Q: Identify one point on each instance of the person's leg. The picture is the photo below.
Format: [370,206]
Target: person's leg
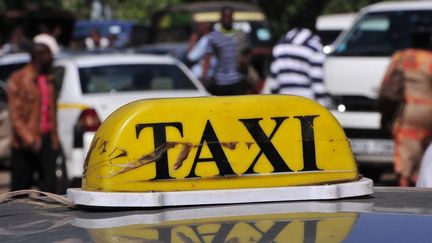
[47,166]
[22,167]
[407,161]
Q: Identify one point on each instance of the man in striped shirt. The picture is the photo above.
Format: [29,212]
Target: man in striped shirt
[230,47]
[297,67]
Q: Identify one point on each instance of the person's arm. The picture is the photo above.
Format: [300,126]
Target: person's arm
[206,61]
[391,92]
[192,41]
[245,50]
[391,86]
[54,97]
[205,69]
[199,50]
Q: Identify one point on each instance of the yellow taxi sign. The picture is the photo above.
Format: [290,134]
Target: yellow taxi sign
[237,142]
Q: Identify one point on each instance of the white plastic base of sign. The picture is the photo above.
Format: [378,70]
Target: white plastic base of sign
[361,187]
[202,213]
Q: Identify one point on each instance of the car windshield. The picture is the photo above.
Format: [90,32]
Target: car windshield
[133,77]
[382,33]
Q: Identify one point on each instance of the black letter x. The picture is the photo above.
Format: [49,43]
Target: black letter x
[265,144]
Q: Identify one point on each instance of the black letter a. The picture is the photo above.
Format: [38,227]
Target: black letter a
[209,137]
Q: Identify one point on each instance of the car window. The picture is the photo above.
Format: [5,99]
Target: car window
[382,33]
[135,77]
[8,69]
[328,36]
[58,78]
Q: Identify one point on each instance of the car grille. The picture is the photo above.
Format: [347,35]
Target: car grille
[367,133]
[361,104]
[355,103]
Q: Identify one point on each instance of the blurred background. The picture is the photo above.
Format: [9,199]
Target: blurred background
[75,16]
[165,27]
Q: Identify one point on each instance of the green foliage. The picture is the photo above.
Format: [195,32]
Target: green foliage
[282,14]
[139,10]
[343,6]
[79,7]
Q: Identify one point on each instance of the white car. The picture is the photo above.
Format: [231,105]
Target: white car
[93,86]
[354,70]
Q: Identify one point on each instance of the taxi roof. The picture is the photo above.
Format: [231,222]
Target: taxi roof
[117,58]
[388,215]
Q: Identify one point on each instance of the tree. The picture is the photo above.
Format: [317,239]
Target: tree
[122,9]
[284,15]
[342,6]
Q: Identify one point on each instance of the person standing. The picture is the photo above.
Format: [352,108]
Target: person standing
[231,49]
[297,67]
[32,108]
[405,103]
[18,42]
[96,41]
